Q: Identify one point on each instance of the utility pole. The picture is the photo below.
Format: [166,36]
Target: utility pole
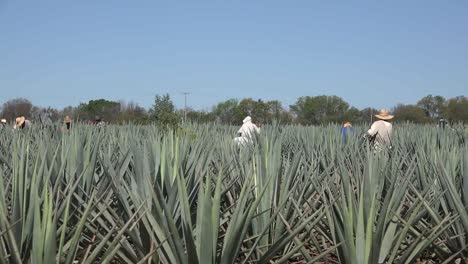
[185,106]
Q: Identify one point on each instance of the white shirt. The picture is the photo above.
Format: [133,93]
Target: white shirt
[247,129]
[383,130]
[27,124]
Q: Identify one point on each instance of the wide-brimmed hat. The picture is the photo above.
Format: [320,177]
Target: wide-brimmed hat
[67,119]
[20,121]
[3,121]
[384,114]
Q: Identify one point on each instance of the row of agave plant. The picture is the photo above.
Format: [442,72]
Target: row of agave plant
[132,194]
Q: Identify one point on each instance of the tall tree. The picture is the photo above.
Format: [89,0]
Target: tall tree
[45,115]
[16,107]
[457,109]
[70,111]
[320,109]
[258,110]
[304,110]
[163,112]
[246,107]
[433,106]
[278,113]
[366,115]
[353,115]
[104,109]
[410,113]
[132,113]
[199,116]
[226,112]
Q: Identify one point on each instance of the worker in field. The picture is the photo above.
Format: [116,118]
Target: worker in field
[346,130]
[3,123]
[99,122]
[247,131]
[22,123]
[443,123]
[381,130]
[67,122]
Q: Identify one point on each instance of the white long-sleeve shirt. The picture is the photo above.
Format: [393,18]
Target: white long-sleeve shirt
[383,130]
[247,129]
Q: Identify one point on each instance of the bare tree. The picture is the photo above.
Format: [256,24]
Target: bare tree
[16,107]
[45,116]
[132,112]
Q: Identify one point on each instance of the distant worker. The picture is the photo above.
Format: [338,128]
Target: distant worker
[247,131]
[442,123]
[3,123]
[248,128]
[381,130]
[22,123]
[346,130]
[67,122]
[98,121]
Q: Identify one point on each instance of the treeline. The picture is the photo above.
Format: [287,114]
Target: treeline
[308,110]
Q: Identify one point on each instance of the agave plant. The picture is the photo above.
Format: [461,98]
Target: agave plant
[139,194]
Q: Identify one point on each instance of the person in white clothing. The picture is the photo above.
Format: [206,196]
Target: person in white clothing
[381,130]
[247,131]
[22,123]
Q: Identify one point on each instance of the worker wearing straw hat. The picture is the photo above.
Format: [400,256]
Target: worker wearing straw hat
[381,129]
[21,123]
[3,123]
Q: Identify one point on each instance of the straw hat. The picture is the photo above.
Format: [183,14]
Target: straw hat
[3,121]
[20,121]
[384,114]
[67,119]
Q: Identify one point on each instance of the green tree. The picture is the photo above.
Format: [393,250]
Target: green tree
[366,115]
[105,109]
[410,113]
[258,110]
[304,110]
[163,112]
[262,112]
[226,112]
[433,106]
[457,109]
[246,107]
[320,109]
[69,111]
[199,116]
[278,113]
[132,113]
[352,115]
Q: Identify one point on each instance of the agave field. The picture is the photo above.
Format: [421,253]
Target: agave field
[138,194]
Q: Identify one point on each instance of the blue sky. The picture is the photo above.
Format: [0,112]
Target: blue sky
[371,53]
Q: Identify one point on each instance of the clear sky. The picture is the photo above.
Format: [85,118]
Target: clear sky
[371,53]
